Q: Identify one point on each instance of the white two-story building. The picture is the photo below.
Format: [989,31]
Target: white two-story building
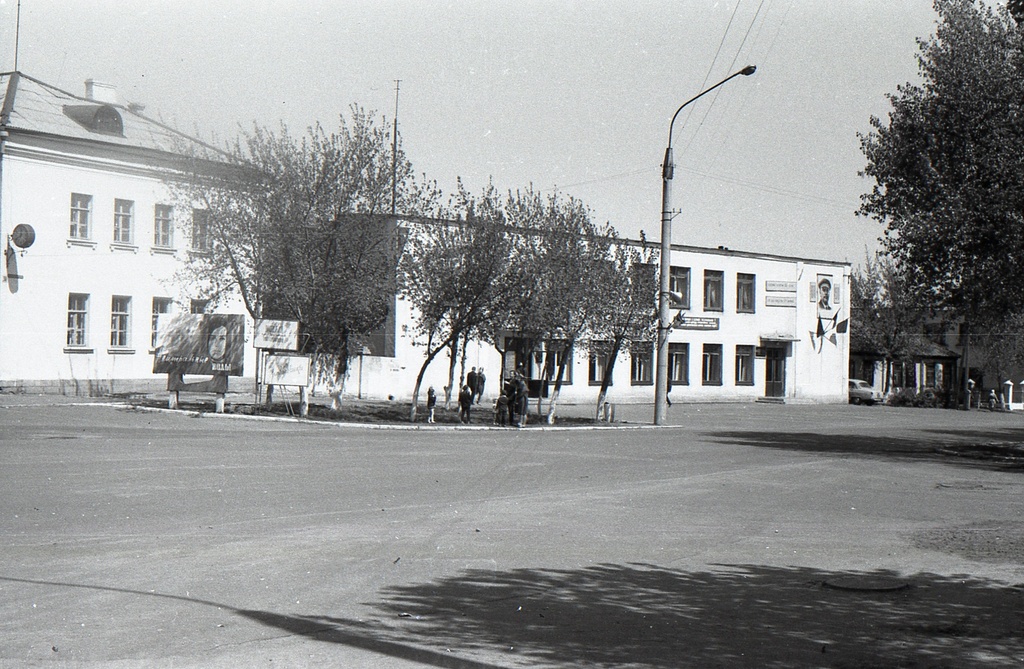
[93,243]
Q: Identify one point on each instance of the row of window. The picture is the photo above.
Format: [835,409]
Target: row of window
[81,227]
[642,365]
[121,307]
[714,290]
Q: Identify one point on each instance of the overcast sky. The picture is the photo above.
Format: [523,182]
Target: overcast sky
[576,96]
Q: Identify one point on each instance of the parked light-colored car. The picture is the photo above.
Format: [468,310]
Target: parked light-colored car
[861,392]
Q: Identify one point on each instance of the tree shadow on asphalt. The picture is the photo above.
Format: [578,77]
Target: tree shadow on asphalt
[650,617]
[642,615]
[991,449]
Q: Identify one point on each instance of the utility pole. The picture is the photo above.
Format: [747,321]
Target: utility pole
[394,154]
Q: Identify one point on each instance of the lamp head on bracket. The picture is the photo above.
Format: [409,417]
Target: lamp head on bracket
[23,236]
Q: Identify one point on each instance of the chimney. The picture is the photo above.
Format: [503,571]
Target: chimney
[97,91]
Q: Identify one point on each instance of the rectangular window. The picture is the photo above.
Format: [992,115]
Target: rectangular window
[161,305]
[553,358]
[714,282]
[123,221]
[745,293]
[599,362]
[744,365]
[78,305]
[81,216]
[163,226]
[202,241]
[679,287]
[679,364]
[198,306]
[641,364]
[929,375]
[711,370]
[120,320]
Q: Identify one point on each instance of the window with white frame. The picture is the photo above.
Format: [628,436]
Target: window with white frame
[78,311]
[711,369]
[81,216]
[556,352]
[599,362]
[163,226]
[679,287]
[714,283]
[120,321]
[745,293]
[679,363]
[744,365]
[123,214]
[161,305]
[202,241]
[641,363]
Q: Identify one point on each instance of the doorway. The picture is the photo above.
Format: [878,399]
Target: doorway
[775,372]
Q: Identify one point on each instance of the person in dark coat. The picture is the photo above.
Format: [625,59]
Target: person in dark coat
[465,401]
[510,393]
[481,379]
[522,398]
[471,380]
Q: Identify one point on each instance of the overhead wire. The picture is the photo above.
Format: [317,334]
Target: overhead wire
[732,66]
[711,67]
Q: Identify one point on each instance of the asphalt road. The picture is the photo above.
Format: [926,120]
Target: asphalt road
[741,536]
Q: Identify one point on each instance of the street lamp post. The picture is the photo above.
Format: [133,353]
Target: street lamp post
[667,169]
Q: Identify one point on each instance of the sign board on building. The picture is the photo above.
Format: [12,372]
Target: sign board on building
[286,370]
[277,335]
[787,300]
[200,344]
[780,286]
[696,323]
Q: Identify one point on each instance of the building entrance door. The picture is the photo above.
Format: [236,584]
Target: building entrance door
[775,372]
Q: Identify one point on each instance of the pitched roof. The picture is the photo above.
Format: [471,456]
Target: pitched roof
[33,106]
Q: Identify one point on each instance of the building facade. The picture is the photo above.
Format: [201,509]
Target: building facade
[747,327]
[86,175]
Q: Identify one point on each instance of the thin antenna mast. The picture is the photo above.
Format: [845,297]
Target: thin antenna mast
[394,153]
[17,36]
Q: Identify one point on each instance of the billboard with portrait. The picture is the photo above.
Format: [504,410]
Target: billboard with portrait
[200,344]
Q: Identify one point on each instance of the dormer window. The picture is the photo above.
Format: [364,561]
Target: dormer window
[103,119]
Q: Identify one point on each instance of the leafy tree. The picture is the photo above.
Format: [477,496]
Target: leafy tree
[453,273]
[629,316]
[948,167]
[300,228]
[562,274]
[882,313]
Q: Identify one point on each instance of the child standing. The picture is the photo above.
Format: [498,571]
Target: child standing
[501,410]
[431,403]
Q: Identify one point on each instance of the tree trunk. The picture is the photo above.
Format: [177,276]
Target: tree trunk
[606,381]
[462,363]
[338,384]
[453,357]
[419,381]
[967,367]
[553,402]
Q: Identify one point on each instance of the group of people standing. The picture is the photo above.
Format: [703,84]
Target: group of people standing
[511,406]
[471,393]
[509,409]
